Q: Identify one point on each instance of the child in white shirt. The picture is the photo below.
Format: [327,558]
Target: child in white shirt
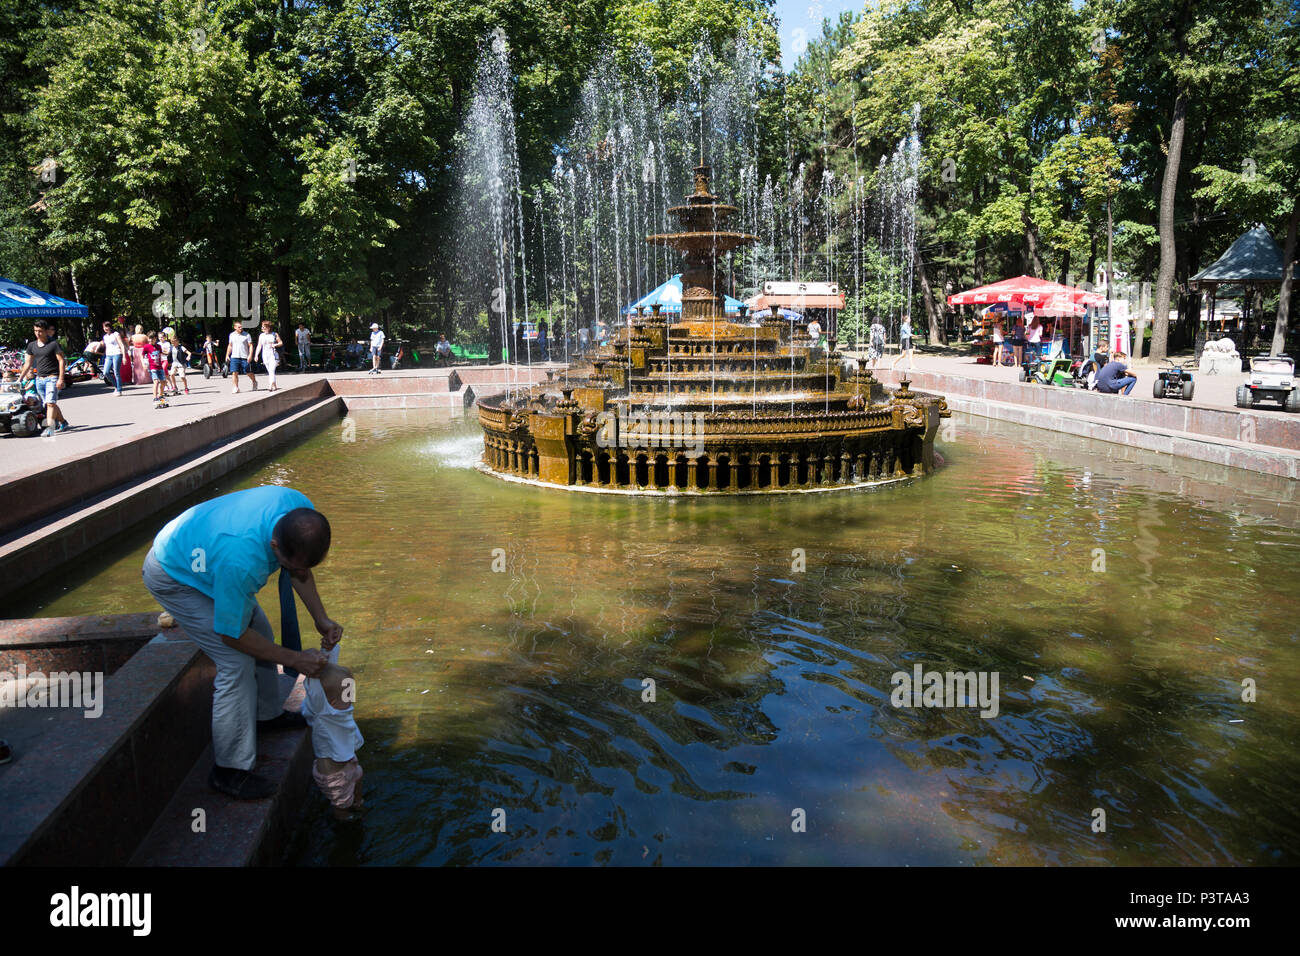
[335,739]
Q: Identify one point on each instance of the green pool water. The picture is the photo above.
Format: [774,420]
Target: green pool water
[1122,598]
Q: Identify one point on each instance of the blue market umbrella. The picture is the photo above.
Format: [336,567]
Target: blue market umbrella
[20,300]
[669,298]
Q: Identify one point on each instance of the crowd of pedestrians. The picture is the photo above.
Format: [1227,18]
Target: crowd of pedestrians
[128,355]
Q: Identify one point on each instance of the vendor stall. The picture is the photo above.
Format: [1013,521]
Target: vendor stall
[1061,308]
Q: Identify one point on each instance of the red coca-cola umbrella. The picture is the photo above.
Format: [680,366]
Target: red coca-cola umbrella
[1026,290]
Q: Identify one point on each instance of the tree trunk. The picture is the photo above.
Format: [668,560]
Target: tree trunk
[1288,270]
[1168,251]
[1140,323]
[282,298]
[932,311]
[1032,258]
[1091,274]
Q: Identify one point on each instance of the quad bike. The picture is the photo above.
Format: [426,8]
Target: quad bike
[1272,378]
[22,414]
[1174,382]
[80,369]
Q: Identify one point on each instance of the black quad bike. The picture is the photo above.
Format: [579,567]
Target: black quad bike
[1174,382]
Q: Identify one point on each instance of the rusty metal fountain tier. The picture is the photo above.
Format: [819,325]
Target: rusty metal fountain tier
[710,402]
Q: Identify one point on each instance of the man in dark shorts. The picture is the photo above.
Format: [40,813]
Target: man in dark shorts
[46,362]
[1114,379]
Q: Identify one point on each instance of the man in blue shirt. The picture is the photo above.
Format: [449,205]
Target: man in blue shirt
[205,568]
[1114,379]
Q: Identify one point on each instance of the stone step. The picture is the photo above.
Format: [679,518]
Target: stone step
[482,376]
[234,832]
[462,398]
[91,788]
[435,381]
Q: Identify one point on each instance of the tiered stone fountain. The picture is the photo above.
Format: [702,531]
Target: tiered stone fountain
[710,403]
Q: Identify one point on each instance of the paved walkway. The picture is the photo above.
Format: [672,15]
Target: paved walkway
[1212,391]
[101,420]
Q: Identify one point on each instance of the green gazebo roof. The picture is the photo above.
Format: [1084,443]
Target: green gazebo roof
[1254,257]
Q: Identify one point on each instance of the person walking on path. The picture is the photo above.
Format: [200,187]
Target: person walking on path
[153,358]
[46,362]
[303,338]
[180,362]
[114,353]
[376,348]
[904,344]
[206,568]
[239,356]
[267,343]
[876,335]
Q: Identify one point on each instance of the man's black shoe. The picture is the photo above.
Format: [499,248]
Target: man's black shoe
[287,720]
[240,784]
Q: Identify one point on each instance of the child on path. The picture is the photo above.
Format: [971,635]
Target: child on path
[153,359]
[180,359]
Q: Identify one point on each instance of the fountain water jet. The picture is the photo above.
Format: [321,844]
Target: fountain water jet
[727,432]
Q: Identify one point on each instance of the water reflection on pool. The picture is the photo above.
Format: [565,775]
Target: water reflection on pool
[1121,597]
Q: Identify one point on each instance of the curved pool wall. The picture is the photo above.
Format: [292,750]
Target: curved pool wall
[503,638]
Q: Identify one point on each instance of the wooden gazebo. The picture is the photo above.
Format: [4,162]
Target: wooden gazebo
[1253,262]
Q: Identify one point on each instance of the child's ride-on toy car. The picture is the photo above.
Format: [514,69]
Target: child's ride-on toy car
[1174,382]
[1048,371]
[1272,378]
[23,414]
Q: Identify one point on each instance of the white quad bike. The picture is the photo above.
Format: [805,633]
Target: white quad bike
[22,413]
[1272,378]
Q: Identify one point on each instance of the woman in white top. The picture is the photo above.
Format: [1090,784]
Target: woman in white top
[114,353]
[1034,335]
[267,343]
[998,343]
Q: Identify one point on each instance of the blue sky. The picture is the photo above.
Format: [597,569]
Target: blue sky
[806,15]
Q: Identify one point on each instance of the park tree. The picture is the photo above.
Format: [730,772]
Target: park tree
[1260,182]
[1180,55]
